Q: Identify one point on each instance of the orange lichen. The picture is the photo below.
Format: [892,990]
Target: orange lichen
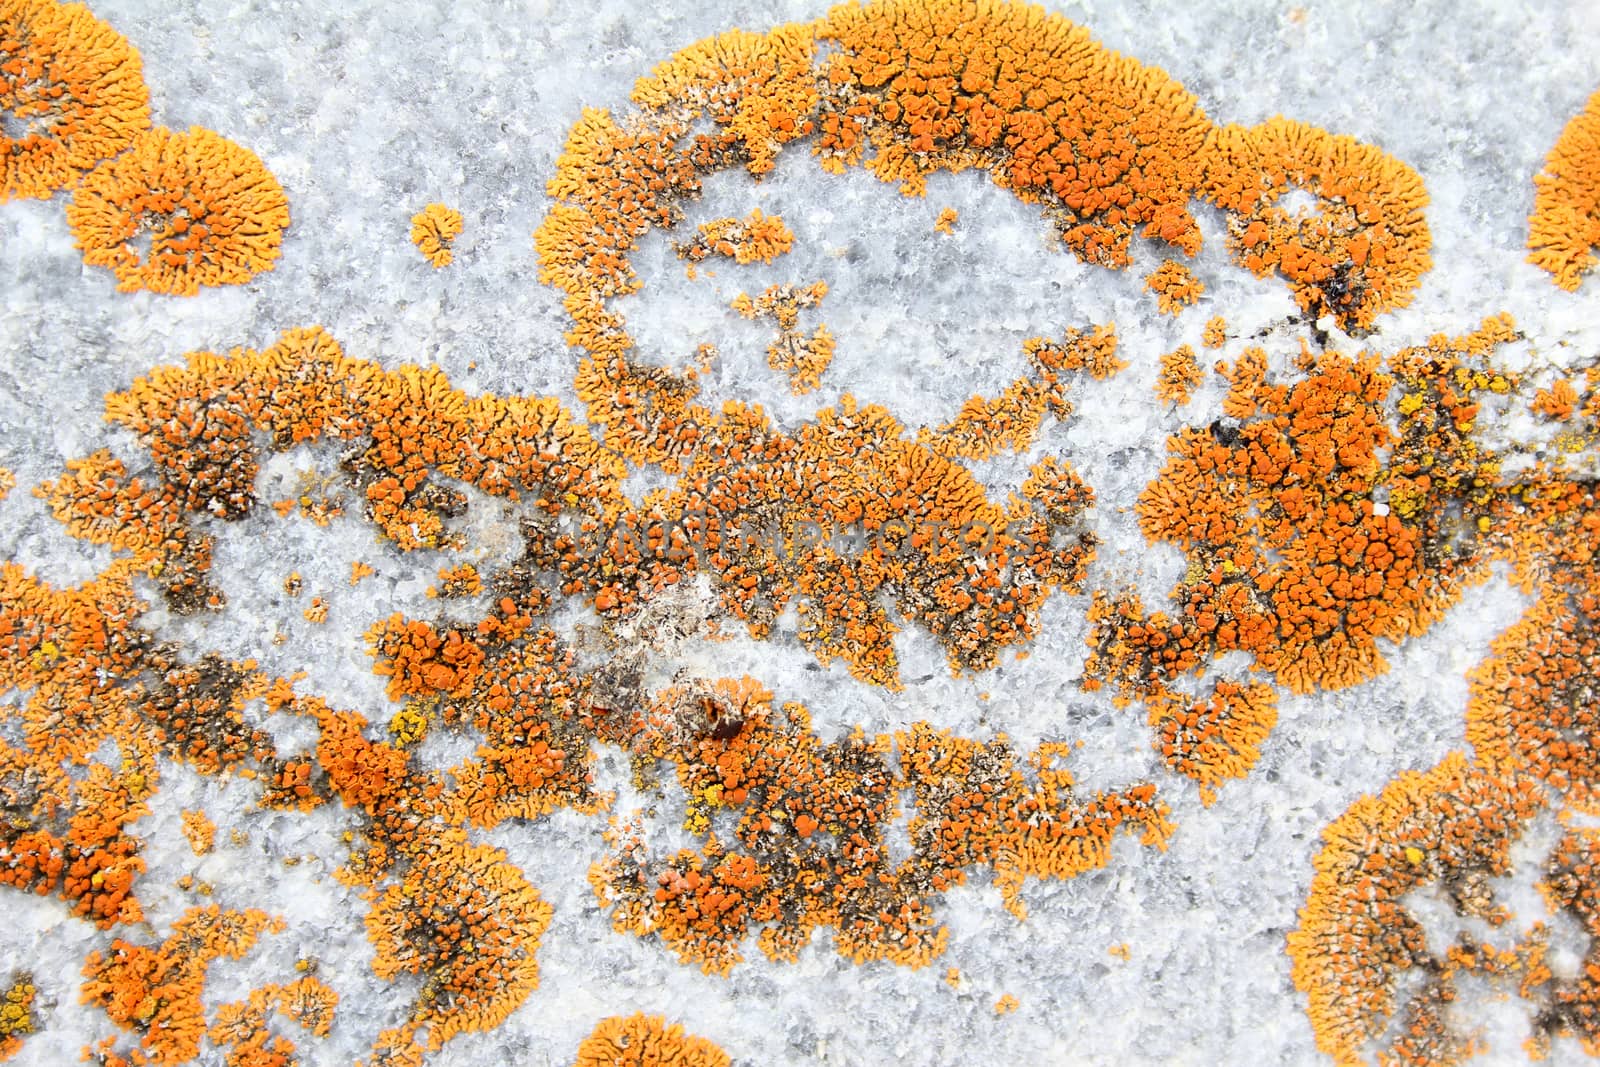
[1557,402]
[974,806]
[317,613]
[530,762]
[418,660]
[468,922]
[200,830]
[73,85]
[98,502]
[358,571]
[8,482]
[810,845]
[155,992]
[433,230]
[946,222]
[1531,719]
[802,358]
[1532,703]
[1012,421]
[1315,527]
[1565,224]
[1006,1004]
[1360,250]
[758,89]
[1105,144]
[1362,954]
[1335,506]
[462,580]
[1571,885]
[908,89]
[411,421]
[646,1041]
[1009,422]
[1305,549]
[1092,350]
[755,238]
[1216,333]
[1213,739]
[1577,407]
[241,1027]
[1175,286]
[829,516]
[180,210]
[1179,375]
[1451,827]
[68,813]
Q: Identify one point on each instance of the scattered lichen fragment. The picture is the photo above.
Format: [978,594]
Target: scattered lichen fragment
[433,230]
[802,358]
[1180,374]
[200,830]
[755,238]
[1175,286]
[242,1027]
[462,580]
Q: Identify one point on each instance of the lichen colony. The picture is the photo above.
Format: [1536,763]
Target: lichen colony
[1330,496]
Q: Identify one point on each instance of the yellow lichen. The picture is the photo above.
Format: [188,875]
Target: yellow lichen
[200,830]
[433,230]
[16,1014]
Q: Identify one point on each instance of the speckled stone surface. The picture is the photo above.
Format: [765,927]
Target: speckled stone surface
[367,111]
